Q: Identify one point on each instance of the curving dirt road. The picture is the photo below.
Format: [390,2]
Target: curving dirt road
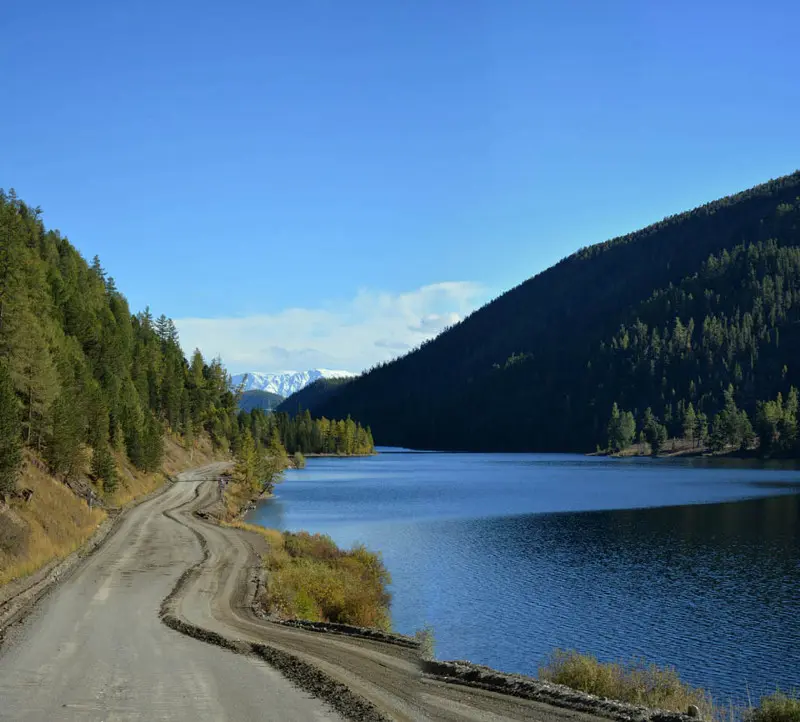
[96,648]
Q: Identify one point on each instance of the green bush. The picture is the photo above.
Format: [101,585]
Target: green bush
[778,707]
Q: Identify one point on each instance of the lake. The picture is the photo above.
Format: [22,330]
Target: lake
[693,563]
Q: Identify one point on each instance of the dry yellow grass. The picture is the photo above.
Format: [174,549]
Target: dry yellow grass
[637,682]
[56,521]
[311,578]
[777,707]
[237,495]
[134,483]
[52,525]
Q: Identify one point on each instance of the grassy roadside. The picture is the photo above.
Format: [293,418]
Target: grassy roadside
[57,520]
[51,526]
[310,578]
[643,683]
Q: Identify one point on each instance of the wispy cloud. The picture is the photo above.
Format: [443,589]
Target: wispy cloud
[374,326]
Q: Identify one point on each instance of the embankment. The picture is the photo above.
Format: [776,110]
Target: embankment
[43,536]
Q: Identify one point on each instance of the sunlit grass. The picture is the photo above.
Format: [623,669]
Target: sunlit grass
[56,522]
[777,707]
[636,681]
[51,526]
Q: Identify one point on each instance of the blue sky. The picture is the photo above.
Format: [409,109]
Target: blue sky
[327,183]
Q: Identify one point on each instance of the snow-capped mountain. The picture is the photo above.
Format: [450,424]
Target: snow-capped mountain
[286,383]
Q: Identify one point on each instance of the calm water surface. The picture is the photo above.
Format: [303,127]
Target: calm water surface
[507,556]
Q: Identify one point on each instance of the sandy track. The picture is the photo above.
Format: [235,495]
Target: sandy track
[96,648]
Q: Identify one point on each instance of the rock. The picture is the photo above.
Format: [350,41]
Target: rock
[693,711]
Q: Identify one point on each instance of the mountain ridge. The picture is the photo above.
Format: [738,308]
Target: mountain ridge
[285,383]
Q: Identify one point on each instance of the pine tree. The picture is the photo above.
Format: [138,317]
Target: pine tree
[64,450]
[655,433]
[690,424]
[34,375]
[702,428]
[104,468]
[10,437]
[621,429]
[731,426]
[246,468]
[152,443]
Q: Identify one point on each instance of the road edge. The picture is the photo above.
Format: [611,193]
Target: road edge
[15,609]
[304,675]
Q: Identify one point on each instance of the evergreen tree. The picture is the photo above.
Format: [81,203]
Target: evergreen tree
[64,450]
[655,433]
[690,425]
[776,424]
[10,438]
[104,468]
[702,428]
[731,426]
[621,429]
[246,470]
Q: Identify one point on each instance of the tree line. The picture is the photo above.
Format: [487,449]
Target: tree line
[263,441]
[305,435]
[774,433]
[83,379]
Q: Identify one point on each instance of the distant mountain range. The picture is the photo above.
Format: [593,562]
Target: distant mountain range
[285,383]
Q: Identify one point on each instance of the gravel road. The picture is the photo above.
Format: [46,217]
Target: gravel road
[97,649]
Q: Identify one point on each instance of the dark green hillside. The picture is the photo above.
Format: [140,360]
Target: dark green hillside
[80,376]
[540,367]
[312,395]
[257,399]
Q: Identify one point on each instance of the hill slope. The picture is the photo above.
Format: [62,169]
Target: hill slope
[313,395]
[94,401]
[639,320]
[256,399]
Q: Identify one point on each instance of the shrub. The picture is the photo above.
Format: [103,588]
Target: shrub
[299,460]
[778,707]
[637,682]
[426,642]
[311,578]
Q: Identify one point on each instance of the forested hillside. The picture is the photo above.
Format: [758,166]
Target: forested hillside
[257,399]
[79,375]
[701,309]
[312,395]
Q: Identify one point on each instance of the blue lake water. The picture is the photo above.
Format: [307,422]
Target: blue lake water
[693,563]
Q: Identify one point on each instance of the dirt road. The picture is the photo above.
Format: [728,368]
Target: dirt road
[96,648]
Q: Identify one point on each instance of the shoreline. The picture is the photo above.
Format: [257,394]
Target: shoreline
[460,673]
[527,684]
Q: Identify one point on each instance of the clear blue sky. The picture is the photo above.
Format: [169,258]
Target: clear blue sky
[332,181]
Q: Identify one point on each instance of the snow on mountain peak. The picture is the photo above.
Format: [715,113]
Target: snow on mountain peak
[286,383]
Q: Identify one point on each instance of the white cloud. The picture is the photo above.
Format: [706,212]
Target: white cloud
[372,327]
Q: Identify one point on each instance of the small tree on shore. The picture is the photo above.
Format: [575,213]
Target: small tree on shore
[621,429]
[655,432]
